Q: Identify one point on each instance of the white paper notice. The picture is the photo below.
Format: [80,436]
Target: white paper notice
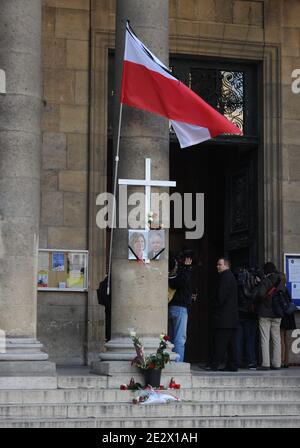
[294,270]
[295,290]
[43,261]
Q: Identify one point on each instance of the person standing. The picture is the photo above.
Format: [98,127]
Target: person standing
[181,301]
[225,319]
[269,323]
[287,323]
[247,280]
[105,300]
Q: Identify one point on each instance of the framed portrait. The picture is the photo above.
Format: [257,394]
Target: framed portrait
[138,244]
[156,244]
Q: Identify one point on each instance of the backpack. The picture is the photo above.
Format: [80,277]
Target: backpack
[103,297]
[281,304]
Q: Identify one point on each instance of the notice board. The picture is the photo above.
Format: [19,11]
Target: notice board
[292,273]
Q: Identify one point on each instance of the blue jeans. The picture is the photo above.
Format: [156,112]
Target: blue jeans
[246,341]
[178,317]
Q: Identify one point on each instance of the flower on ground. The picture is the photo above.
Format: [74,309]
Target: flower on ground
[173,384]
[131,386]
[156,360]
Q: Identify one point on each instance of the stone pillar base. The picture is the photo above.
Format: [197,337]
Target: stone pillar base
[122,349]
[27,368]
[120,372]
[23,356]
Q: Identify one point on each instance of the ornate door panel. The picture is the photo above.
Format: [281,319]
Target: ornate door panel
[241,216]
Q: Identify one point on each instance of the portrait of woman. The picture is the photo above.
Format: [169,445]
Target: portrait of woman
[137,247]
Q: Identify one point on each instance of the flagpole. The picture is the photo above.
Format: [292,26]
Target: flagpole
[114,196]
[115,184]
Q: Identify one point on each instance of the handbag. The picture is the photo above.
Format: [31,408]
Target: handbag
[292,308]
[171,293]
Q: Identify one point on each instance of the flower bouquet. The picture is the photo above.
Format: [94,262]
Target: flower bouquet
[153,221]
[150,396]
[153,363]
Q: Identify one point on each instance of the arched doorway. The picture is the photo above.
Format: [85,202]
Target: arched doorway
[228,171]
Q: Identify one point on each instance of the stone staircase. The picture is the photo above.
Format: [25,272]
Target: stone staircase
[218,400]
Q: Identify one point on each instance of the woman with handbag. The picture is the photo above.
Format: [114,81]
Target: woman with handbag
[287,323]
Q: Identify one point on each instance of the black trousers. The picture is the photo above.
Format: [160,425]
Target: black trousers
[225,348]
[107,323]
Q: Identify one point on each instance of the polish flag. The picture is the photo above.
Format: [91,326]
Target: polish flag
[149,85]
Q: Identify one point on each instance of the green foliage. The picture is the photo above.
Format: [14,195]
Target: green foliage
[156,360]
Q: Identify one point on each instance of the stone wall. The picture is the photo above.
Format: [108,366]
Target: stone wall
[62,324]
[62,317]
[291,127]
[66,26]
[74,171]
[291,133]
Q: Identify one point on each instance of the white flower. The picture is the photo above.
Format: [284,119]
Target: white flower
[132,332]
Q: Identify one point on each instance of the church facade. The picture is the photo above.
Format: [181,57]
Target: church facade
[62,103]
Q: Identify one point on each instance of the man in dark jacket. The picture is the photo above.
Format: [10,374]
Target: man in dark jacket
[178,306]
[269,323]
[225,319]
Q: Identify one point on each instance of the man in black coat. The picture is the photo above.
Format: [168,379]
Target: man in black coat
[225,319]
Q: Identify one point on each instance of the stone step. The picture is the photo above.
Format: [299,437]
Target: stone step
[237,380]
[28,382]
[137,423]
[173,410]
[221,380]
[82,382]
[229,394]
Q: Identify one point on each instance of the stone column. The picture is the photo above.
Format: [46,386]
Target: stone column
[20,144]
[139,291]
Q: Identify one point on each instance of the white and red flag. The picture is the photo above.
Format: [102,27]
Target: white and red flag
[149,85]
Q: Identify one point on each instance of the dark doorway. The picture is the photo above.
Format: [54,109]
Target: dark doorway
[227,175]
[228,170]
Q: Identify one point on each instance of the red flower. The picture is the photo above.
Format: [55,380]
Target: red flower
[172,383]
[166,338]
[151,366]
[123,387]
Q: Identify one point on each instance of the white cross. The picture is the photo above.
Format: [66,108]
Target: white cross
[2,81]
[147,183]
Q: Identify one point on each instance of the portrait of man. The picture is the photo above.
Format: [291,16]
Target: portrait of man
[156,244]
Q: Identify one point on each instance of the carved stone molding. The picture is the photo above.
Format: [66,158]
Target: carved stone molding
[270,169]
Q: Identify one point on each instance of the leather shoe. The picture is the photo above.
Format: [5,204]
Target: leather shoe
[211,369]
[228,369]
